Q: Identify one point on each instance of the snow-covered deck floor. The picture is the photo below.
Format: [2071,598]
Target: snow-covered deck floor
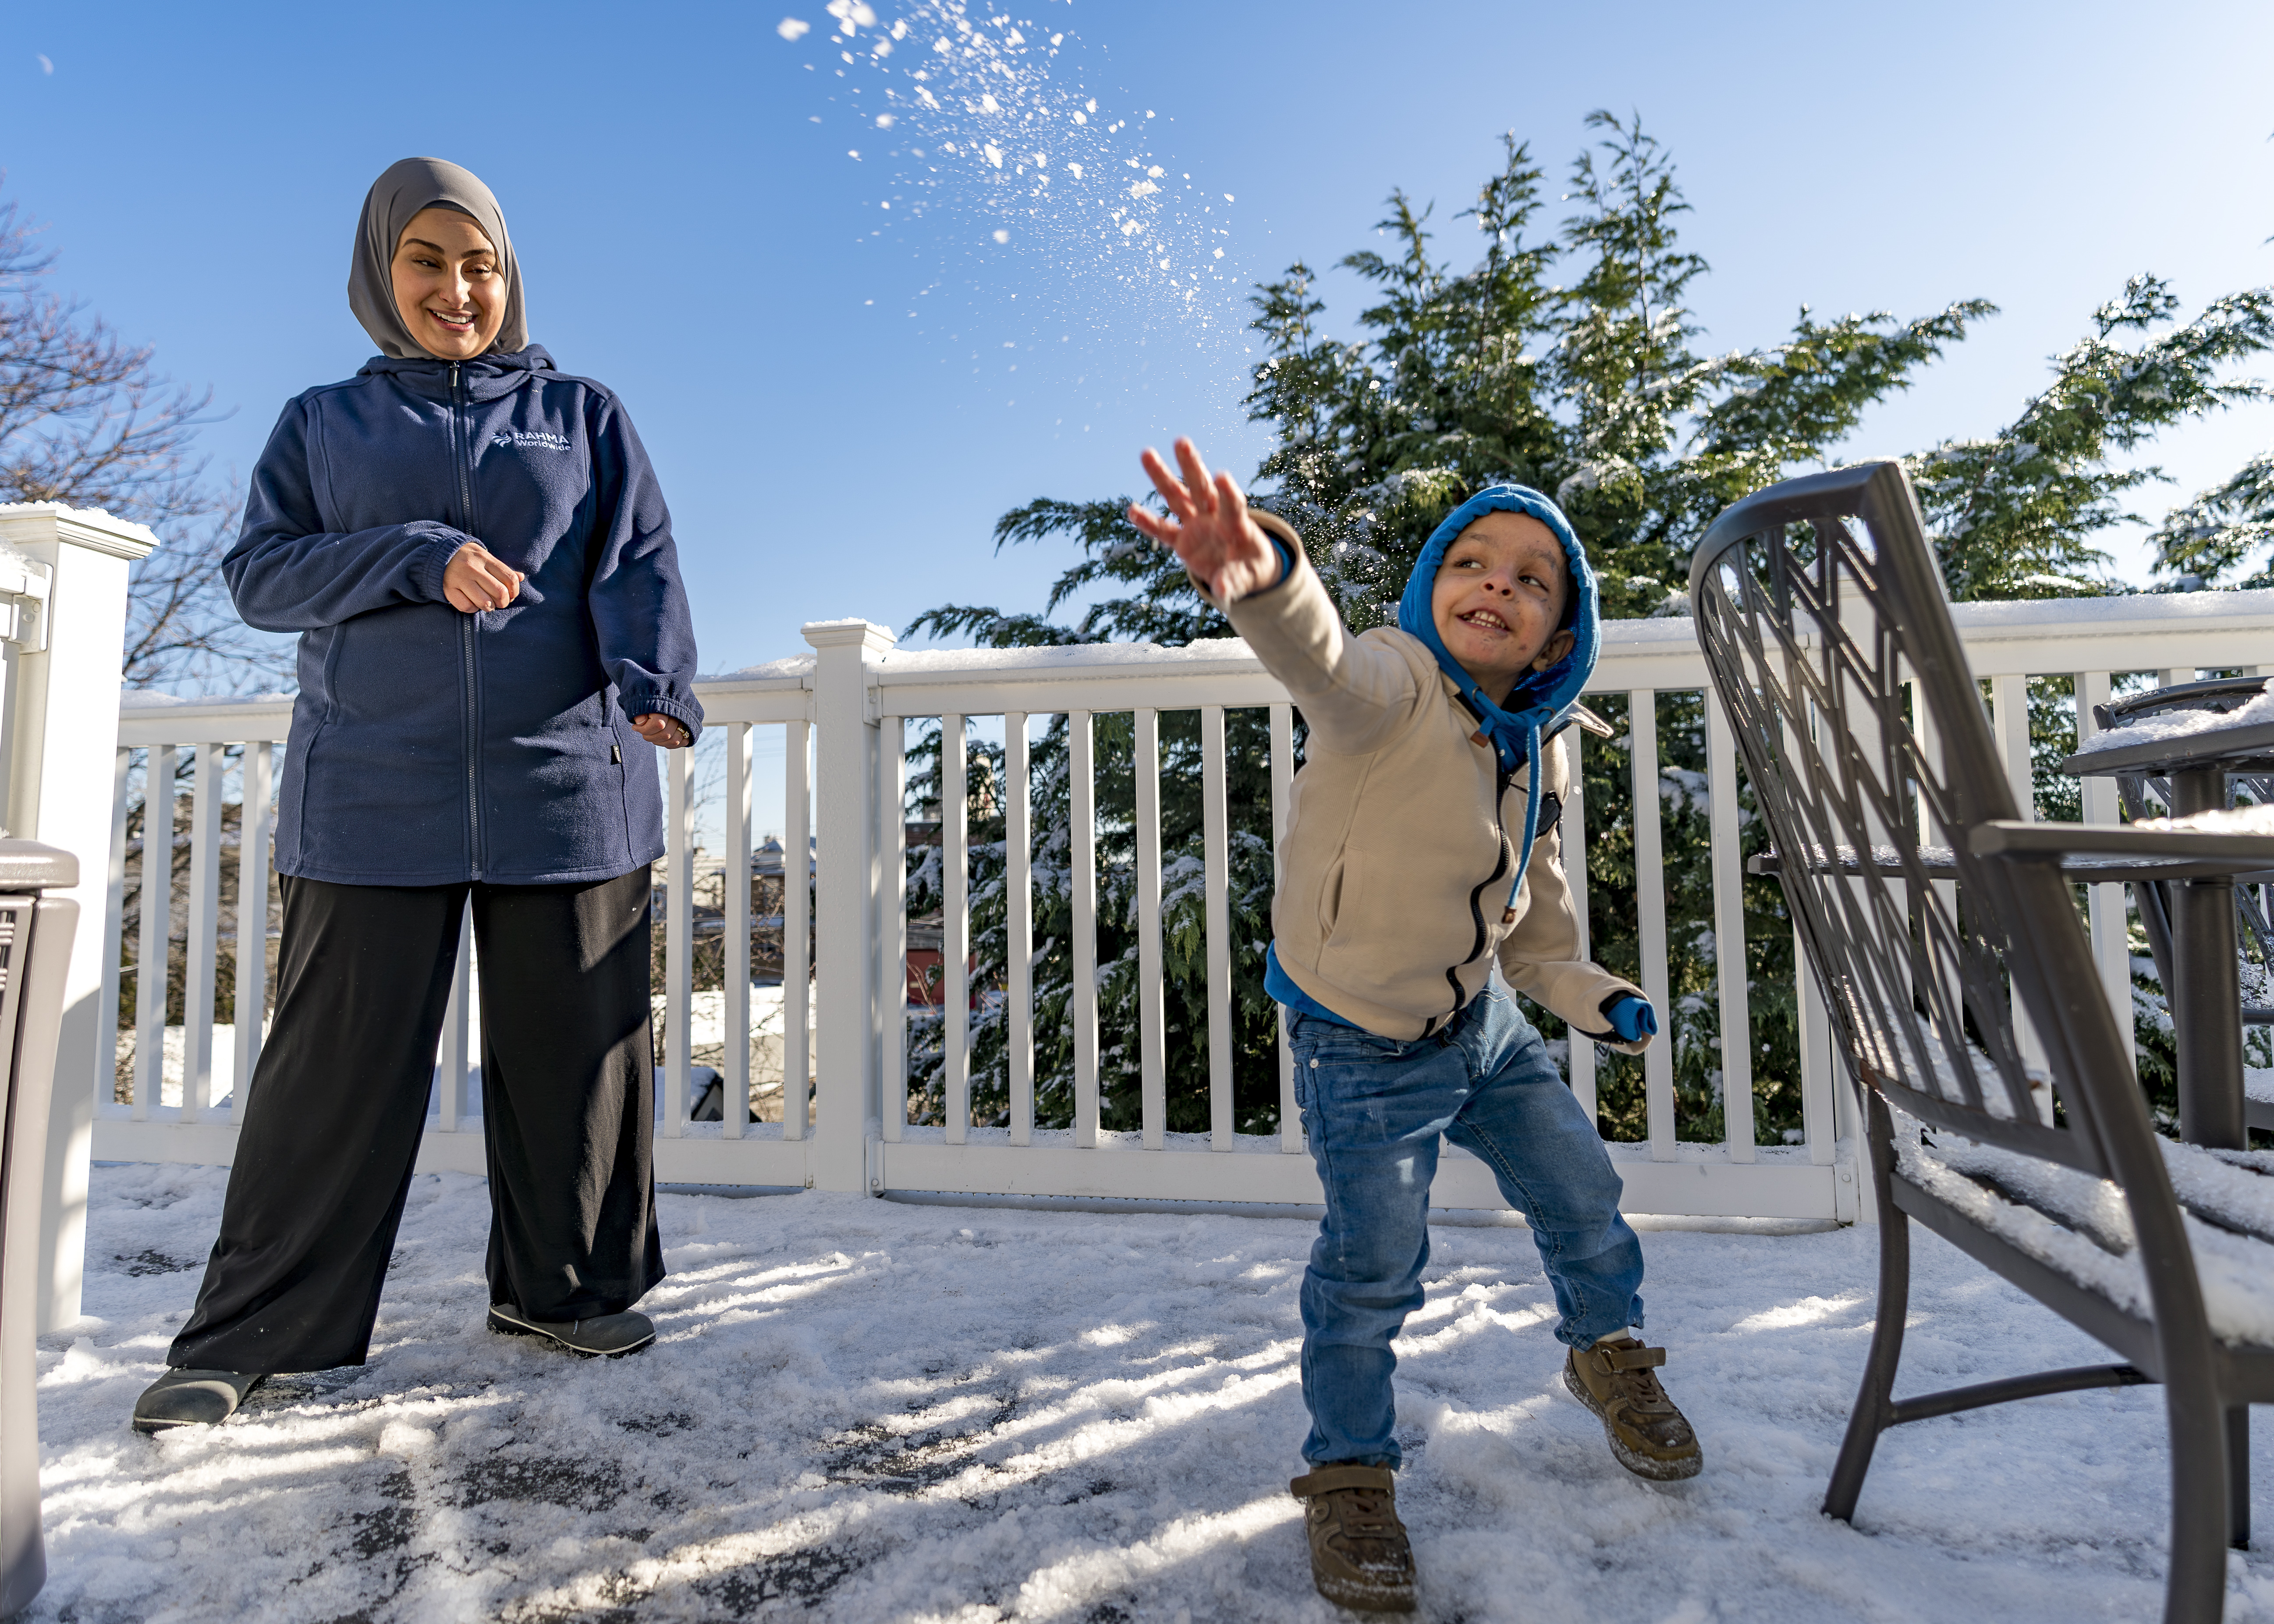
[866,1411]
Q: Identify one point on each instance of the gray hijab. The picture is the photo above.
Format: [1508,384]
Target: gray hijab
[395,197]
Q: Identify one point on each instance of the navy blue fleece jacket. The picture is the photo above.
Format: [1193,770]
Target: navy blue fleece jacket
[430,745]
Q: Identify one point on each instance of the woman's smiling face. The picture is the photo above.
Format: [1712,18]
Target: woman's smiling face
[1498,601]
[448,285]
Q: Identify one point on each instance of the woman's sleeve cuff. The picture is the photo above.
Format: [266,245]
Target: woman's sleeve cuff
[686,714]
[427,569]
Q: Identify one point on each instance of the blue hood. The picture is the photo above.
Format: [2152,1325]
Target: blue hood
[1543,700]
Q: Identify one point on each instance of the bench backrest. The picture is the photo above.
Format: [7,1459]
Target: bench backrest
[1823,619]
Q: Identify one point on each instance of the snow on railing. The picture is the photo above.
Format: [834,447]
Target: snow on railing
[846,714]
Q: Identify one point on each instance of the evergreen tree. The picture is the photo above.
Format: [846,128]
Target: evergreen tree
[2013,514]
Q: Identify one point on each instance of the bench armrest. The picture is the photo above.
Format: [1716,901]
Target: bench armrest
[2109,852]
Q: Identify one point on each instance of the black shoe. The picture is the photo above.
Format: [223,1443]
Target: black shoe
[610,1336]
[192,1398]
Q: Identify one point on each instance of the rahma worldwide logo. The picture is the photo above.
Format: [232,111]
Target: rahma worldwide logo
[532,440]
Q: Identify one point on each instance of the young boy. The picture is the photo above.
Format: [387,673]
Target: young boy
[1421,855]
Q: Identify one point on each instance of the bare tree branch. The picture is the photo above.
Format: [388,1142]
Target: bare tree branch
[85,420]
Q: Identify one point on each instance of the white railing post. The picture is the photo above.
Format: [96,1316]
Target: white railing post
[1732,963]
[797,925]
[954,931]
[250,1002]
[849,890]
[114,932]
[1291,1141]
[1152,1040]
[63,736]
[154,900]
[678,938]
[1571,841]
[1650,910]
[736,1063]
[1019,916]
[199,966]
[2111,947]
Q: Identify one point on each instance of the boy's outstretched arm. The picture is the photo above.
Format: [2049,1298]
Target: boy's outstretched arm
[1208,527]
[1353,691]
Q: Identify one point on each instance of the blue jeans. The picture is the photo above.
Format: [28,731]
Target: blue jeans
[1374,1110]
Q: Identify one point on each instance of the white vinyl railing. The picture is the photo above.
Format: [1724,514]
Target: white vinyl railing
[845,712]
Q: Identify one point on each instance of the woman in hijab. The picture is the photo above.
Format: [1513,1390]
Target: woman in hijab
[493,642]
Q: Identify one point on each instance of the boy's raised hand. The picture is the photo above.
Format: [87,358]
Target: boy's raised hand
[1207,526]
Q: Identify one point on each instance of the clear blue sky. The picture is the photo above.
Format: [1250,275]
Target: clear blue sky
[695,234]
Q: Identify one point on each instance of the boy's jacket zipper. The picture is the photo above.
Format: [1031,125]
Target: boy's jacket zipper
[466,647]
[1501,780]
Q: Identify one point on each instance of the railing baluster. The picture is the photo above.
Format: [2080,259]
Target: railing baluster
[1572,838]
[114,939]
[1940,961]
[202,926]
[1649,908]
[955,929]
[251,1003]
[2111,947]
[1082,860]
[1152,1040]
[2009,702]
[1282,797]
[1816,1074]
[797,927]
[1216,854]
[1019,929]
[455,1057]
[735,1064]
[893,959]
[678,940]
[152,952]
[1729,957]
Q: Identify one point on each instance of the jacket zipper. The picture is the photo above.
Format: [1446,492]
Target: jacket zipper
[466,649]
[1501,781]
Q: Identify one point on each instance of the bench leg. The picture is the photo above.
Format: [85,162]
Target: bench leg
[2237,1476]
[2195,1592]
[1874,1411]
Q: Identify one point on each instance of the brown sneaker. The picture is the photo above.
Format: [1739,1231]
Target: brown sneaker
[1649,1437]
[1358,1554]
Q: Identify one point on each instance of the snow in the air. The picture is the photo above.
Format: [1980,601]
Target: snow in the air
[864,1411]
[980,131]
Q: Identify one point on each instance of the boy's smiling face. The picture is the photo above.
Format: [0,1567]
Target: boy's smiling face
[1498,601]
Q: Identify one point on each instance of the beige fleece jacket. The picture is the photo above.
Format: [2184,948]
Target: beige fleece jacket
[1401,840]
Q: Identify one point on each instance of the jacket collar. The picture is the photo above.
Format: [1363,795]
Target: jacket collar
[485,378]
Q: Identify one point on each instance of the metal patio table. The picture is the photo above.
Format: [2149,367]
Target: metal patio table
[2206,1000]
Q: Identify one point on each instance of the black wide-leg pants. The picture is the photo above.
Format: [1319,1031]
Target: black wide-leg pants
[339,1099]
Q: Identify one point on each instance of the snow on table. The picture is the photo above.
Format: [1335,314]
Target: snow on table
[862,1410]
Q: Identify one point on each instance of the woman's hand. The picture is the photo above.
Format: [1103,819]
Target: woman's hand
[665,733]
[1207,528]
[476,578]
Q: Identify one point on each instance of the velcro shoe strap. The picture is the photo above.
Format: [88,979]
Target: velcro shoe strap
[1327,1479]
[1632,1358]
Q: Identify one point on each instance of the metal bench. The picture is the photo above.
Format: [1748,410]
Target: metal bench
[1929,914]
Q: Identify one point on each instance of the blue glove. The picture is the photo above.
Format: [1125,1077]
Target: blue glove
[1632,1017]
